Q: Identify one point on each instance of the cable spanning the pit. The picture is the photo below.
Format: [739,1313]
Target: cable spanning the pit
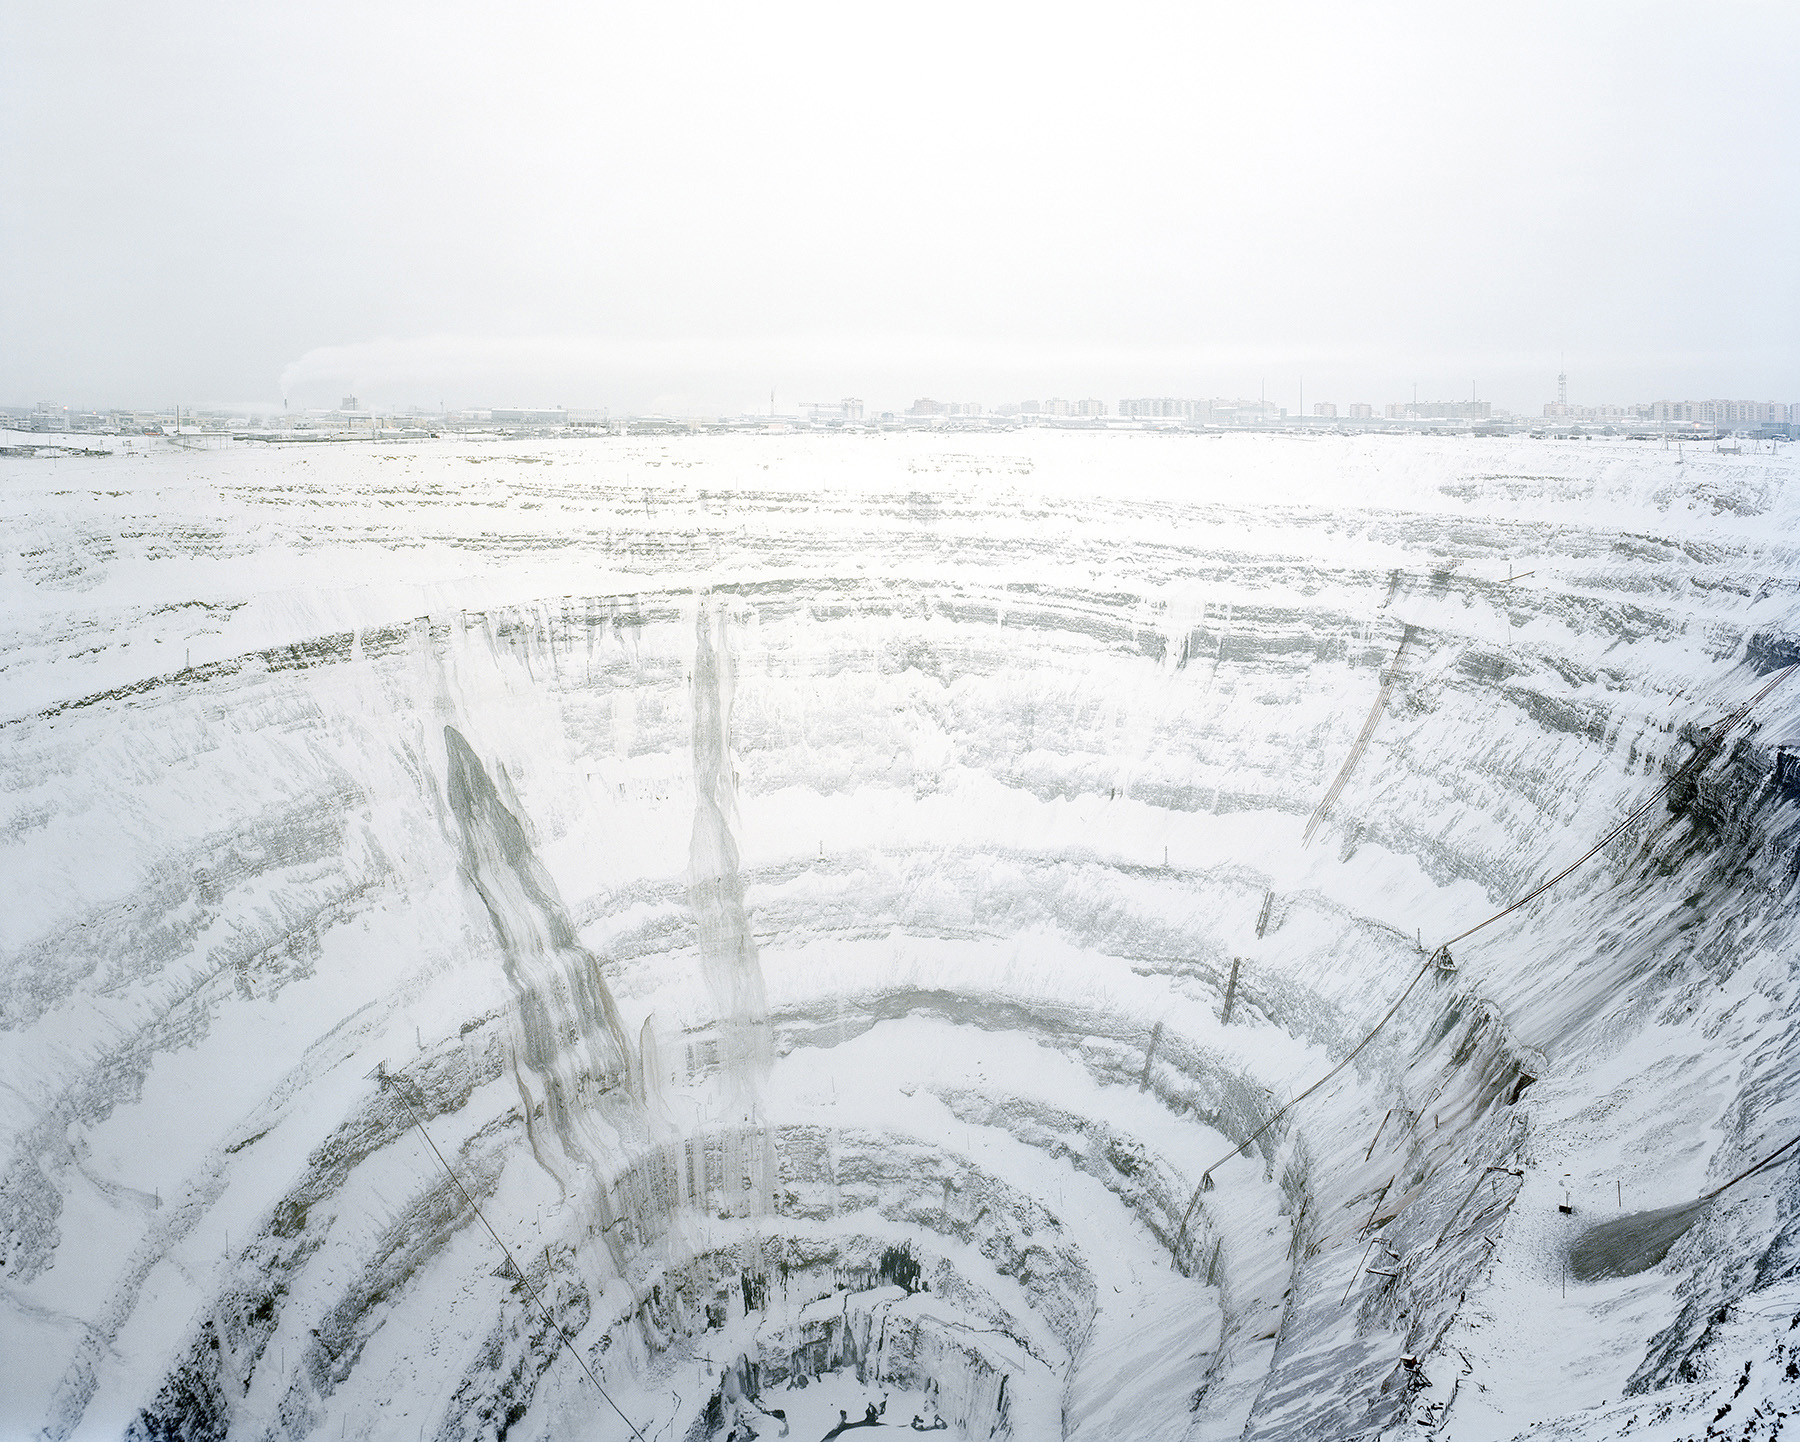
[1702,753]
[1388,679]
[400,1091]
[1752,1170]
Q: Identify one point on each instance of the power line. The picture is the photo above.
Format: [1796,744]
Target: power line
[1719,732]
[519,1271]
[1751,1171]
[1361,744]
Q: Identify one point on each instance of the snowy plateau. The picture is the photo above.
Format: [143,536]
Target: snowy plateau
[711,937]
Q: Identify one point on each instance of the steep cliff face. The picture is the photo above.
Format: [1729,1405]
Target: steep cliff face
[834,907]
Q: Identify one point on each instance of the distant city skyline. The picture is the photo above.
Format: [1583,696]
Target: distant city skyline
[467,380]
[1664,409]
[350,414]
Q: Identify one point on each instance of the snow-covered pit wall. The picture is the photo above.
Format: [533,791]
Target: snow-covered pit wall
[833,906]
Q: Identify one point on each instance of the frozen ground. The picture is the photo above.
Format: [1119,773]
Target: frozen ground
[797,883]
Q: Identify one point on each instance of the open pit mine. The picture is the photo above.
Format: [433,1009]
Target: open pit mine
[1049,935]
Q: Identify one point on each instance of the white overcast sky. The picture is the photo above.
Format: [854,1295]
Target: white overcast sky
[683,206]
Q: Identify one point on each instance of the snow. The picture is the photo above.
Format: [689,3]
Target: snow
[853,841]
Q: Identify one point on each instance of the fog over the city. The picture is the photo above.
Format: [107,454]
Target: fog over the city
[684,206]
